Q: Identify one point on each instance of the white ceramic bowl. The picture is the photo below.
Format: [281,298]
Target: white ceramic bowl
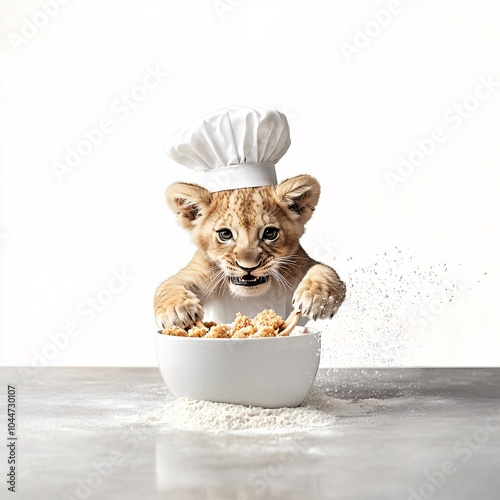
[269,372]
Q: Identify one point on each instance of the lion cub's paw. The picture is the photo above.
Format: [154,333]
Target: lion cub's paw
[319,294]
[177,306]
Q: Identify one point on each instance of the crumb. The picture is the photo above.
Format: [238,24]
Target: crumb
[209,324]
[219,332]
[245,332]
[265,331]
[197,331]
[268,318]
[240,322]
[175,331]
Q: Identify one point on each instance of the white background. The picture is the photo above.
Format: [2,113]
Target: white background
[420,260]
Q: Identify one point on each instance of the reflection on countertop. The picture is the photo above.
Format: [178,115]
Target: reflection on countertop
[92,433]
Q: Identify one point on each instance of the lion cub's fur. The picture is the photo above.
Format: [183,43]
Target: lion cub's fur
[314,288]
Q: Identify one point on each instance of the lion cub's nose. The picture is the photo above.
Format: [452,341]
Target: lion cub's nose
[247,269]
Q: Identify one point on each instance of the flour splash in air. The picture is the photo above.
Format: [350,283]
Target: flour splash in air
[391,302]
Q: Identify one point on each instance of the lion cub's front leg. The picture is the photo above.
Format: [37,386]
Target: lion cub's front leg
[320,293]
[176,300]
[175,305]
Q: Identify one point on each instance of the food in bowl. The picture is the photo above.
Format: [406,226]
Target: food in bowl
[266,324]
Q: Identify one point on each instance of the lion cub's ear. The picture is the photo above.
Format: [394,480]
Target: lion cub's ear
[188,201]
[300,194]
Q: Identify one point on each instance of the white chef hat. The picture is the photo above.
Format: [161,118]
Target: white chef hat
[235,147]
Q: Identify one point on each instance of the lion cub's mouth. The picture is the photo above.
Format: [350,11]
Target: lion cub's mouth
[248,280]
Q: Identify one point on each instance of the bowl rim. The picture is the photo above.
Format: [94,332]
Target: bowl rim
[312,331]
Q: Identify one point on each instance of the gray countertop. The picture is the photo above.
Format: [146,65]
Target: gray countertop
[81,433]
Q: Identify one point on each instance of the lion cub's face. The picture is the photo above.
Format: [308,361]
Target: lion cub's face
[248,234]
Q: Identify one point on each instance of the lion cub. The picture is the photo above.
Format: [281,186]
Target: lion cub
[248,251]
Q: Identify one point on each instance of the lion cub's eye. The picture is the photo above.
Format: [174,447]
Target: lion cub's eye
[270,233]
[224,234]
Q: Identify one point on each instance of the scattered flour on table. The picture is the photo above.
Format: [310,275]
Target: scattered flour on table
[317,411]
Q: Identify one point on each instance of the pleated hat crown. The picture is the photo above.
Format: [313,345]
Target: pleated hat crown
[236,147]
